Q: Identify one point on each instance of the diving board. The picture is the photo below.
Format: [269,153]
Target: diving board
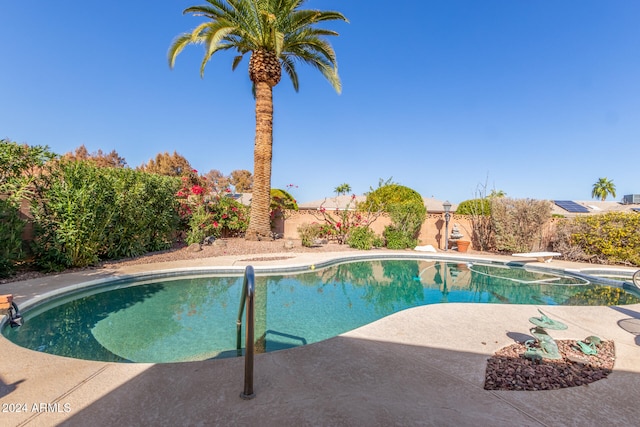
[539,256]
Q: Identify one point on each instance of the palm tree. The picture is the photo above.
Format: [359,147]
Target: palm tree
[277,34]
[342,189]
[603,188]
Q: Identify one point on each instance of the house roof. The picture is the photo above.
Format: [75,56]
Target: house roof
[595,207]
[434,205]
[341,202]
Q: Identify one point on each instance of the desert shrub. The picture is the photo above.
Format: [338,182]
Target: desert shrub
[363,238]
[612,237]
[480,206]
[561,241]
[479,212]
[519,224]
[309,233]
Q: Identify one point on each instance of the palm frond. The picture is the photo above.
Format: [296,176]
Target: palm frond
[288,66]
[278,26]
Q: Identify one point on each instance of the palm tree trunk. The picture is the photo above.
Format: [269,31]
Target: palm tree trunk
[259,221]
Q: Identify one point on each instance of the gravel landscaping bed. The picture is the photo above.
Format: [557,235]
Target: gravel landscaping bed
[508,369]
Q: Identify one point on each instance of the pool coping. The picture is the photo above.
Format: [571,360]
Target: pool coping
[112,394]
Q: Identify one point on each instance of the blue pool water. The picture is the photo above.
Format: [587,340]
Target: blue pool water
[191,318]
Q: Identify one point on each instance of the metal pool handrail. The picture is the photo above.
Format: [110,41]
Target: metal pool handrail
[247,298]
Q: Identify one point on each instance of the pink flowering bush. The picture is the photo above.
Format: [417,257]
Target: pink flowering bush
[206,213]
[338,223]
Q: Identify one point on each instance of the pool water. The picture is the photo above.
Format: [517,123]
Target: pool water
[194,318]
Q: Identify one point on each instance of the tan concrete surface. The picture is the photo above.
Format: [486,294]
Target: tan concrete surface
[422,366]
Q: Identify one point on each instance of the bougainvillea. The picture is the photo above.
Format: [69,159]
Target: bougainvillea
[208,213]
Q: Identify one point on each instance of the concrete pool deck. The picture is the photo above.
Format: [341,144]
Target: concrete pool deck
[422,366]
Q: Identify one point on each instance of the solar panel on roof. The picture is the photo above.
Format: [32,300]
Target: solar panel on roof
[571,206]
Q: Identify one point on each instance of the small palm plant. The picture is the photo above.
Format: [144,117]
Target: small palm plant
[602,188]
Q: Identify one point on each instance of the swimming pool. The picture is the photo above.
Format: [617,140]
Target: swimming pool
[175,319]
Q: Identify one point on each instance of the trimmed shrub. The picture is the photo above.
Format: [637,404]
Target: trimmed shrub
[474,207]
[406,210]
[388,195]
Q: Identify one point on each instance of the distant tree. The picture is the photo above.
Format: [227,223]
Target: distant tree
[496,194]
[602,188]
[168,164]
[100,159]
[342,189]
[242,181]
[217,180]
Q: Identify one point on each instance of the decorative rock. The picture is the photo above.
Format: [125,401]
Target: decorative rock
[209,240]
[220,243]
[289,244]
[195,247]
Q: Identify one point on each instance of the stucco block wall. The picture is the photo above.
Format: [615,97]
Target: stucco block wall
[431,233]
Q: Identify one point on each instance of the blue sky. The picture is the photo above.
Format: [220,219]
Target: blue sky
[535,98]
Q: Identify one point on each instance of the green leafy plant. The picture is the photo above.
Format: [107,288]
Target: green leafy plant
[363,238]
[397,239]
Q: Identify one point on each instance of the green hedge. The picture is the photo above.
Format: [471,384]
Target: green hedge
[85,213]
[18,163]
